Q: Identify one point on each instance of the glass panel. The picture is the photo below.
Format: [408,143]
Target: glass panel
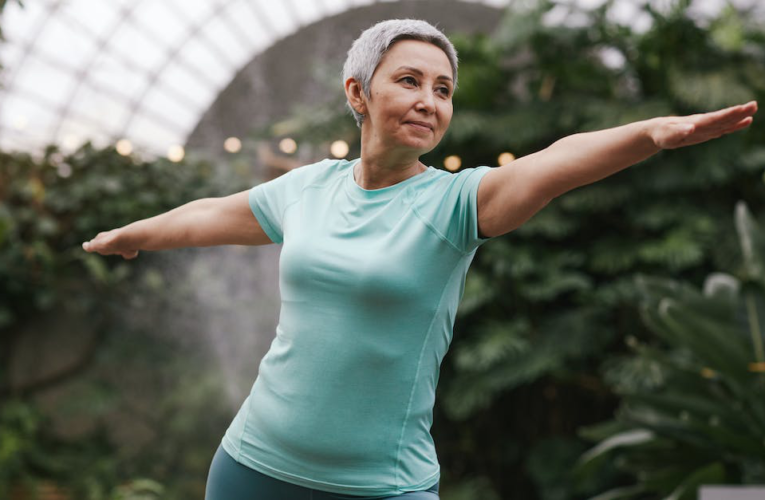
[176,116]
[19,24]
[229,39]
[109,72]
[191,12]
[176,76]
[141,50]
[244,16]
[23,117]
[201,56]
[111,111]
[162,21]
[278,17]
[147,131]
[100,17]
[10,55]
[304,12]
[41,79]
[64,43]
[75,132]
[332,7]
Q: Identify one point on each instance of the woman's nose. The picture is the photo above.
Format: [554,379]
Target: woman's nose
[426,102]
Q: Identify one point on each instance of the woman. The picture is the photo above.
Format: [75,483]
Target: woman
[372,270]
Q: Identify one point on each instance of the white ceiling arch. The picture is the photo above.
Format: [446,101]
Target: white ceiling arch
[147,70]
[142,70]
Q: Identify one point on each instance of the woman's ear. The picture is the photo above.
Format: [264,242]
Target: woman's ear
[355,95]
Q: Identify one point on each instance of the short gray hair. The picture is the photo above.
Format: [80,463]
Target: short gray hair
[369,48]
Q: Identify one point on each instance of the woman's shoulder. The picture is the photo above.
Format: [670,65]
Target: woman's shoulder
[440,180]
[319,172]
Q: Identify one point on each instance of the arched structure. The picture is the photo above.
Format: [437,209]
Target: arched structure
[162,72]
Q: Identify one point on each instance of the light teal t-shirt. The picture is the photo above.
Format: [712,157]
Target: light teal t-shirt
[370,281]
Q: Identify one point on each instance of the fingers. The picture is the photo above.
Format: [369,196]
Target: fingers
[94,245]
[721,122]
[105,243]
[742,124]
[130,255]
[727,116]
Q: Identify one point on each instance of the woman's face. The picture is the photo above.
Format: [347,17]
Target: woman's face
[411,97]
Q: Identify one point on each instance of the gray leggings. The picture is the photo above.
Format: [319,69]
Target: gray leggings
[230,480]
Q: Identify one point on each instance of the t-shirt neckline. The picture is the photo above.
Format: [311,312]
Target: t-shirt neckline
[381,193]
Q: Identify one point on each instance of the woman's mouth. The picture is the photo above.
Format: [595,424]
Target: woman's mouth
[420,126]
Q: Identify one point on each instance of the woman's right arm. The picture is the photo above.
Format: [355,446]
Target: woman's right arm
[199,223]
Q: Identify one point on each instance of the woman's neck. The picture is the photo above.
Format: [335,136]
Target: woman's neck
[382,168]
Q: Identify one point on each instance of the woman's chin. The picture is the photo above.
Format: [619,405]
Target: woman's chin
[419,146]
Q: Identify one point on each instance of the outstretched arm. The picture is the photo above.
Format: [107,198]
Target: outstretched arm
[509,195]
[199,223]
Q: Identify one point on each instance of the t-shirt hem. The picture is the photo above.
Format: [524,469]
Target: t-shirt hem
[229,447]
[322,485]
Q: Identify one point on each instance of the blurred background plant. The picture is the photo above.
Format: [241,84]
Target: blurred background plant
[541,330]
[693,405]
[112,317]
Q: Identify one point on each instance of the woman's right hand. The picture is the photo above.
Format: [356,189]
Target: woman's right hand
[108,243]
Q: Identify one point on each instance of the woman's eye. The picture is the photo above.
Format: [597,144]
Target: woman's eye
[410,80]
[444,90]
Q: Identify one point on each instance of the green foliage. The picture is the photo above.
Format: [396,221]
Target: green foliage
[477,487]
[693,408]
[48,207]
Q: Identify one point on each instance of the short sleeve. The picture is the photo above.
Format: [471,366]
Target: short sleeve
[451,207]
[268,202]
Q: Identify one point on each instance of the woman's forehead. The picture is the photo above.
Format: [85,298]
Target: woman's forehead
[422,56]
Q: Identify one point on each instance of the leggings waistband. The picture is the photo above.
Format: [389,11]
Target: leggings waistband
[230,480]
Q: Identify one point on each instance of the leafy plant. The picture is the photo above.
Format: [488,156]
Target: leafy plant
[49,205]
[693,408]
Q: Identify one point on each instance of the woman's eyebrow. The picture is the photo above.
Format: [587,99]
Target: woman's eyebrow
[420,73]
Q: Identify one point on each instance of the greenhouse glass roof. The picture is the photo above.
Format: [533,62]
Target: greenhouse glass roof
[142,70]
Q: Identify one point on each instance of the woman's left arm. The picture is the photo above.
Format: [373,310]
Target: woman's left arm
[509,195]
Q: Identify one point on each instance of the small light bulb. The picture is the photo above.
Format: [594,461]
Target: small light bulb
[20,122]
[232,145]
[70,142]
[505,158]
[175,153]
[339,149]
[288,145]
[124,147]
[452,163]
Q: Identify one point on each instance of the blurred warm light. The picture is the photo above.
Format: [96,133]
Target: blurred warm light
[505,158]
[124,147]
[757,367]
[452,163]
[232,145]
[339,149]
[70,141]
[175,153]
[20,122]
[288,145]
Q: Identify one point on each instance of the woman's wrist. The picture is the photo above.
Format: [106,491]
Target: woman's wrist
[132,236]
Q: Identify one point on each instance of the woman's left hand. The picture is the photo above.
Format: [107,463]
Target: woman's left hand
[670,132]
